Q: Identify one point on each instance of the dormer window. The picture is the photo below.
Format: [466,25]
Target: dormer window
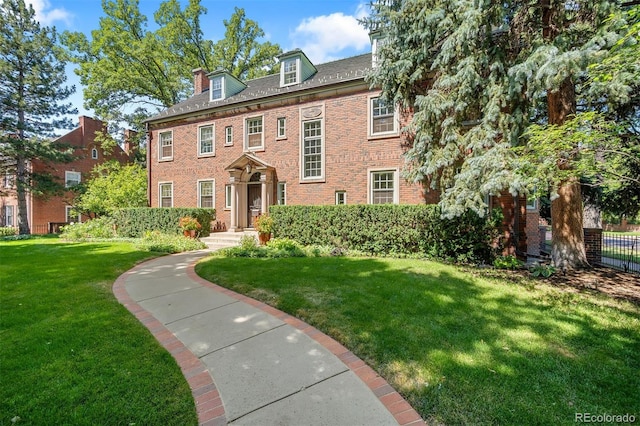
[295,68]
[217,91]
[377,41]
[290,71]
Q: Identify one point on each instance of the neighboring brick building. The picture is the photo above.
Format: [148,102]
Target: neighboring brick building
[46,215]
[308,135]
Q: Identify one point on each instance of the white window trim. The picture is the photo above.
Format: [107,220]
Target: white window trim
[246,134]
[68,173]
[320,178]
[345,197]
[396,122]
[228,197]
[282,201]
[213,141]
[7,222]
[69,218]
[228,131]
[284,132]
[222,88]
[396,182]
[534,206]
[160,157]
[160,192]
[298,63]
[94,154]
[213,192]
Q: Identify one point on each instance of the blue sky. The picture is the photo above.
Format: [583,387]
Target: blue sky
[324,29]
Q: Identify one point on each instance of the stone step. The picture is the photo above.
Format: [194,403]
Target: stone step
[228,239]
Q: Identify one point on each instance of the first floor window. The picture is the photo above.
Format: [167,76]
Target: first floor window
[166,194]
[341,197]
[227,197]
[312,149]
[166,145]
[71,179]
[69,216]
[383,187]
[282,193]
[206,140]
[205,194]
[8,216]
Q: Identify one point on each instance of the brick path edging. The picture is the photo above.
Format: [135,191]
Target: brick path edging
[209,407]
[404,414]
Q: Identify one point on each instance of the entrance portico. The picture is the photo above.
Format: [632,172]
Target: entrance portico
[252,190]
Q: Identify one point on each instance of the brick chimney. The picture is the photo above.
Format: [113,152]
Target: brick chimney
[200,81]
[129,146]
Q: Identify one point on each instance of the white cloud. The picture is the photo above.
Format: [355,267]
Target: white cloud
[328,37]
[47,16]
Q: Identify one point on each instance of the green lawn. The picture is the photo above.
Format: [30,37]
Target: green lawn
[70,353]
[462,347]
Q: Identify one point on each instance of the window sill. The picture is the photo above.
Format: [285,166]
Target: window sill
[388,135]
[164,160]
[206,155]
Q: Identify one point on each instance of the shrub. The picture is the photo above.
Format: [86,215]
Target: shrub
[541,270]
[168,243]
[285,247]
[135,222]
[101,227]
[276,248]
[6,231]
[507,262]
[391,229]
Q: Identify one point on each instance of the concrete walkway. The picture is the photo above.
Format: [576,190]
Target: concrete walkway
[250,364]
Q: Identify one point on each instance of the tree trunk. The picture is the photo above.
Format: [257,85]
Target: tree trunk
[21,193]
[567,238]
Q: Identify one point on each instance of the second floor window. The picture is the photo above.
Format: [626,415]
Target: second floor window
[382,117]
[254,133]
[282,128]
[166,145]
[71,179]
[312,150]
[228,135]
[206,140]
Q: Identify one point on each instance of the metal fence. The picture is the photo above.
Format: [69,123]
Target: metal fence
[621,252]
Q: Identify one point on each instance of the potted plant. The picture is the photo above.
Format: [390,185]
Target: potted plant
[189,226]
[264,225]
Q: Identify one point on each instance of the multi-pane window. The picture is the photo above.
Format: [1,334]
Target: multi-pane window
[290,71]
[312,149]
[94,154]
[227,196]
[205,194]
[282,128]
[216,89]
[166,145]
[382,117]
[341,197]
[254,132]
[70,216]
[206,140]
[282,193]
[71,179]
[8,216]
[383,187]
[9,179]
[166,194]
[228,135]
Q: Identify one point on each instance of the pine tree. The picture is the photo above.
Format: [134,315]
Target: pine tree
[31,92]
[474,76]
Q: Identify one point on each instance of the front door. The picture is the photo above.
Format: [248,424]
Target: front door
[254,191]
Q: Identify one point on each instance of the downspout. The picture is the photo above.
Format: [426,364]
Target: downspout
[148,138]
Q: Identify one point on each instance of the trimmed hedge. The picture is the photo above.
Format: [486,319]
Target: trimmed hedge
[391,229]
[134,222]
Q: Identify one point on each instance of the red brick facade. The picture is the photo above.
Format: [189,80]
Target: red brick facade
[45,214]
[350,154]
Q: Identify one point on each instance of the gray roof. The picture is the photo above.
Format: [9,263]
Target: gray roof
[330,73]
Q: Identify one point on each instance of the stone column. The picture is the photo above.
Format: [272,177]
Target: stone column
[264,208]
[234,205]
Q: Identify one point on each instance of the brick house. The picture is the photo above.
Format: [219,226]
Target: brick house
[46,215]
[312,134]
